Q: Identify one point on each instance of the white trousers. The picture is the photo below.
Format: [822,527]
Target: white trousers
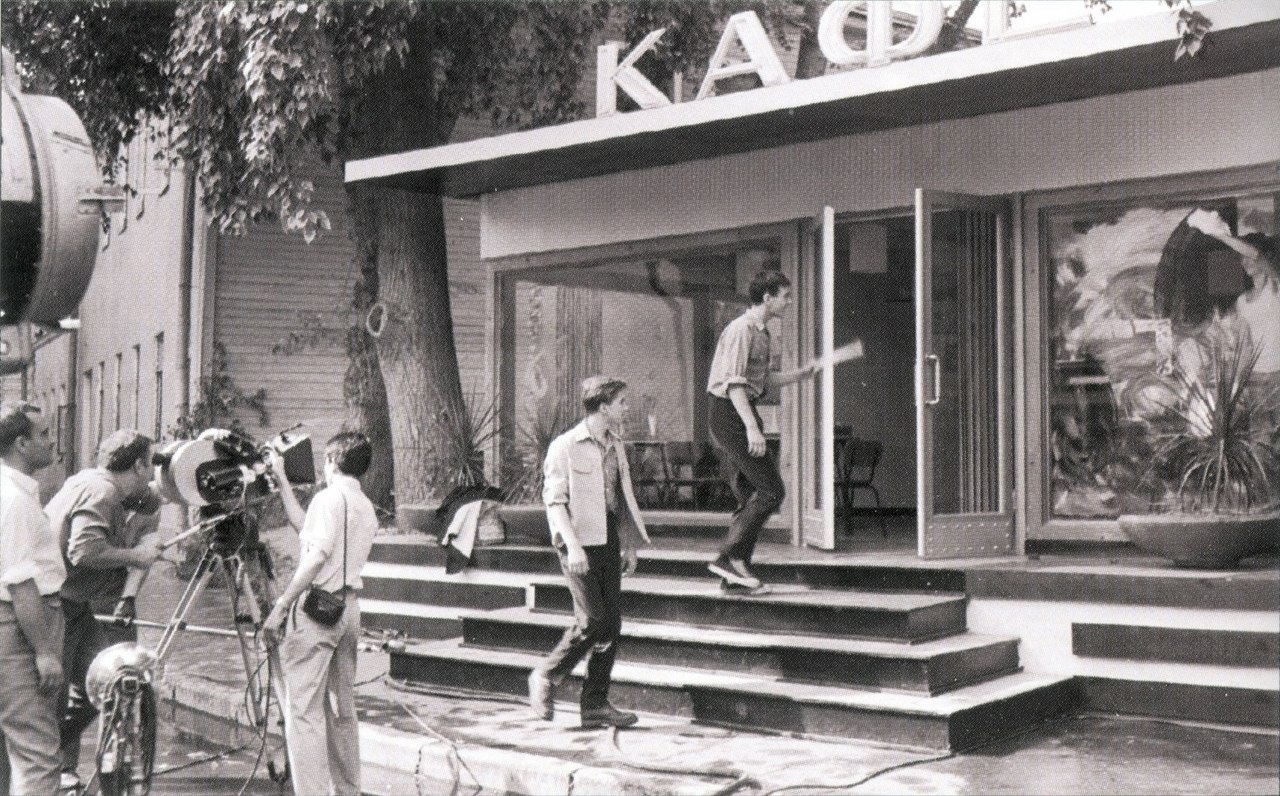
[320,723]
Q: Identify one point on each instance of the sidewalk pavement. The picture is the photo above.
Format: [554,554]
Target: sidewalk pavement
[430,743]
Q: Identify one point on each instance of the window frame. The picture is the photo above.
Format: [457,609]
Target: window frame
[1037,302]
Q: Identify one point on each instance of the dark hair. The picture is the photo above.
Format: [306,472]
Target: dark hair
[15,423]
[1268,247]
[597,391]
[122,449]
[351,451]
[766,283]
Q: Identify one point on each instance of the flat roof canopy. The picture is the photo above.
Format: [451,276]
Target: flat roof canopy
[1042,70]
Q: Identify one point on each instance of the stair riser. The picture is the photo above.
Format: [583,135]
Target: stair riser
[483,677]
[756,712]
[460,594]
[422,555]
[419,627]
[544,561]
[860,671]
[1216,704]
[820,576]
[764,615]
[982,724]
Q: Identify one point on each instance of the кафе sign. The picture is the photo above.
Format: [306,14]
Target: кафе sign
[762,60]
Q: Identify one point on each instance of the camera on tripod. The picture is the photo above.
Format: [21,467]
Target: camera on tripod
[225,468]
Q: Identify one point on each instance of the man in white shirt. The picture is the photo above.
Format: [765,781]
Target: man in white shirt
[319,660]
[31,624]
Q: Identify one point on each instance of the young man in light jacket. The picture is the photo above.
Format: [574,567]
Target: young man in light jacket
[595,528]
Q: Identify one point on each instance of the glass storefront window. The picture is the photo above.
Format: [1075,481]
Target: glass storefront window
[651,321]
[1144,299]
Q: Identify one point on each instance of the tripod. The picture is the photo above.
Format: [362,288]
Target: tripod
[240,567]
[242,560]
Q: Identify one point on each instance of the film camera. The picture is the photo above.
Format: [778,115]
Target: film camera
[223,474]
[224,468]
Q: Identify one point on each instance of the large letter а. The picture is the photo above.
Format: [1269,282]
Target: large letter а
[761,58]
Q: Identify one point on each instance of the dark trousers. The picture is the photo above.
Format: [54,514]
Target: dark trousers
[755,480]
[597,623]
[85,638]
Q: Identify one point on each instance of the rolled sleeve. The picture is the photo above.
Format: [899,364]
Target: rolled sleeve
[88,537]
[555,472]
[729,366]
[21,572]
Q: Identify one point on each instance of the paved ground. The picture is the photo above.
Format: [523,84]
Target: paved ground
[430,743]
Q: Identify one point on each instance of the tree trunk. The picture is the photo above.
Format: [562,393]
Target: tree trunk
[416,352]
[363,389]
[953,28]
[810,62]
[401,235]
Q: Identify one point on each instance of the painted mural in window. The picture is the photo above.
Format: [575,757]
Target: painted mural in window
[1145,299]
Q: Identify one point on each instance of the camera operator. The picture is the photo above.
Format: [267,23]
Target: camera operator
[106,518]
[318,653]
[31,572]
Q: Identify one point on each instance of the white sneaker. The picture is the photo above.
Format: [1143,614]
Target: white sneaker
[734,571]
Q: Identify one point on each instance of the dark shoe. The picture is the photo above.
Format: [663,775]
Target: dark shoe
[540,697]
[734,572]
[746,591]
[607,716]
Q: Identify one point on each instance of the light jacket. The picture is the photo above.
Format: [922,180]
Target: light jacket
[574,476]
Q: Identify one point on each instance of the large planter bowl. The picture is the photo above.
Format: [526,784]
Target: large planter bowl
[1204,541]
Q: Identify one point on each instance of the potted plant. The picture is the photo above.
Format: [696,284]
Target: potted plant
[1214,470]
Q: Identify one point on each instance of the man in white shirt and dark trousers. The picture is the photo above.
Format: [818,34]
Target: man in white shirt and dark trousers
[595,528]
[319,660]
[740,375]
[31,623]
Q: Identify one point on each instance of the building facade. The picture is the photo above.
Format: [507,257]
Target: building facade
[995,223]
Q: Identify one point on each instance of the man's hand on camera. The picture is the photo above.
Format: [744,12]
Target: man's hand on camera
[147,551]
[126,611]
[277,468]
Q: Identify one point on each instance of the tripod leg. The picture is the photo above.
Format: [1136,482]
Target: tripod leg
[204,571]
[244,591]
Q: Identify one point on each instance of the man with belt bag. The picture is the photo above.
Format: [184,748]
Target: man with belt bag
[316,621]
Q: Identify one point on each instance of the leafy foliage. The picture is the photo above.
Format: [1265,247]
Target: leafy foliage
[106,58]
[461,448]
[524,475]
[218,402]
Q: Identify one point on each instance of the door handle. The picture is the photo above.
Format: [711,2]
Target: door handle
[937,380]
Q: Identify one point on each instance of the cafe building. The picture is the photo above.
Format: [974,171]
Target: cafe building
[1003,226]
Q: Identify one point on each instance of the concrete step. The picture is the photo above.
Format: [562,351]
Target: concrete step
[472,588]
[541,559]
[1215,704]
[788,609]
[415,620]
[960,719]
[931,667]
[1227,676]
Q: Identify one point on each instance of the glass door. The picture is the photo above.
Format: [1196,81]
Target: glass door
[817,418]
[962,377]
